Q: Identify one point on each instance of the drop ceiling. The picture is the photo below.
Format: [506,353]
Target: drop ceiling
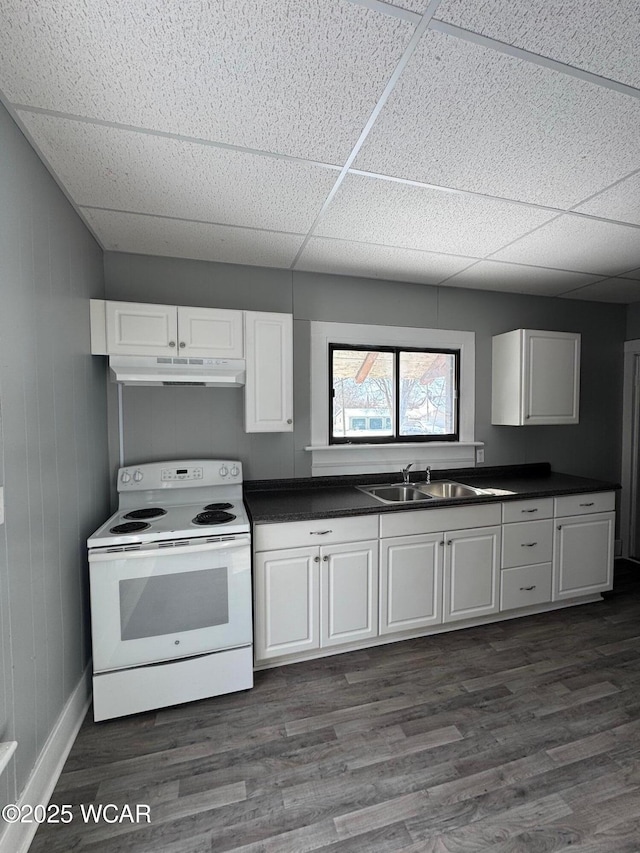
[491,145]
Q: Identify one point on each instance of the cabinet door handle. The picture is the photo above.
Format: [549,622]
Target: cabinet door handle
[289,420]
[182,345]
[559,527]
[316,559]
[591,503]
[319,532]
[527,588]
[528,544]
[325,559]
[172,343]
[442,543]
[529,510]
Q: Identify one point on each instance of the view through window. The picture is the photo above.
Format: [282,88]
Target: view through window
[387,394]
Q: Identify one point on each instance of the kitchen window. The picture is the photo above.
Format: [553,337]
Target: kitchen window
[454,447]
[383,394]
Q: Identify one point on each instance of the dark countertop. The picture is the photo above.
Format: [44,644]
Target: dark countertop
[304,499]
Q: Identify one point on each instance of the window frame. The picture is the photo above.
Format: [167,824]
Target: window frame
[395,437]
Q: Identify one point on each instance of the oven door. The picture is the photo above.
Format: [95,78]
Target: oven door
[162,603]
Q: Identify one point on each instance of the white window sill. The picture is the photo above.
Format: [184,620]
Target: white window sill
[335,459]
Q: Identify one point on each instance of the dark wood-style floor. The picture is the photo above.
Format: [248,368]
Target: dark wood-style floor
[519,736]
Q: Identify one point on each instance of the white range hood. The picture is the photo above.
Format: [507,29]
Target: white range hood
[151,370]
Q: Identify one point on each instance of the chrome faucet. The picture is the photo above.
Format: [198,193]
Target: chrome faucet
[405,473]
[427,472]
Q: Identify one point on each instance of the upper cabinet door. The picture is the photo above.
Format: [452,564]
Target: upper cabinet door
[140,329]
[210,333]
[269,382]
[536,378]
[552,377]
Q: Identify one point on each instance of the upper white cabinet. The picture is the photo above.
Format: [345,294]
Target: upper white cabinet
[269,368]
[134,328]
[536,378]
[210,333]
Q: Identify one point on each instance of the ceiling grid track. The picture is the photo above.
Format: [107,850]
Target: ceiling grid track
[388,89]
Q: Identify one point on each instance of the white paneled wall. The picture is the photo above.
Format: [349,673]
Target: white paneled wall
[53,450]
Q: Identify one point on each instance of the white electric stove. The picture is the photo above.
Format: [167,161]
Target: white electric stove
[170,581]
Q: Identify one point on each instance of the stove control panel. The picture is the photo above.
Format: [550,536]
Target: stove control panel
[168,474]
[178,474]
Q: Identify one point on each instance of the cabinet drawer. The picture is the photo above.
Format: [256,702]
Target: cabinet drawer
[524,586]
[323,531]
[527,510]
[526,543]
[437,520]
[584,504]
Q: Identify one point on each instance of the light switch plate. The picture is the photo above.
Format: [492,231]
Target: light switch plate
[479,454]
[1,504]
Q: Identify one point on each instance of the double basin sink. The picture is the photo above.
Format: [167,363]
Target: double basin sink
[417,492]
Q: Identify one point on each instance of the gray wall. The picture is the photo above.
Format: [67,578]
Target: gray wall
[53,459]
[633,321]
[162,423]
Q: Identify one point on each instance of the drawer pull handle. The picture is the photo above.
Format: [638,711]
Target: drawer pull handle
[529,510]
[527,588]
[528,544]
[319,532]
[591,503]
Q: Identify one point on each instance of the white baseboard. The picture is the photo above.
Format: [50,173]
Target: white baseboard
[17,837]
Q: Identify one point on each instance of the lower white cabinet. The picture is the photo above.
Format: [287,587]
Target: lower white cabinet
[471,573]
[287,602]
[436,567]
[427,579]
[410,582]
[314,597]
[348,592]
[583,555]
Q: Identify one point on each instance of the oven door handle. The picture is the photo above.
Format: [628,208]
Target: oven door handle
[169,551]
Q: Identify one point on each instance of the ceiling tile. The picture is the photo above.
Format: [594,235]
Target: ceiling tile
[517,278]
[598,37]
[149,235]
[126,170]
[468,117]
[609,290]
[574,243]
[621,202]
[418,6]
[292,76]
[396,214]
[342,257]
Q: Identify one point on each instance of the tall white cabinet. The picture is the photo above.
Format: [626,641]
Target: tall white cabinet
[269,367]
[535,378]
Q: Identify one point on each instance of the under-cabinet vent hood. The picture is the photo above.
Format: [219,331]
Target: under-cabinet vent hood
[160,370]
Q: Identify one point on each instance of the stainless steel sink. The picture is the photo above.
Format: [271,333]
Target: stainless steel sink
[448,489]
[395,494]
[416,492]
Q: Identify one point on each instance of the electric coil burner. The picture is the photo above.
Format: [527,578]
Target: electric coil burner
[170,582]
[213,517]
[147,512]
[129,527]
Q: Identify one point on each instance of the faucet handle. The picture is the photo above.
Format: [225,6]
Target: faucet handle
[405,472]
